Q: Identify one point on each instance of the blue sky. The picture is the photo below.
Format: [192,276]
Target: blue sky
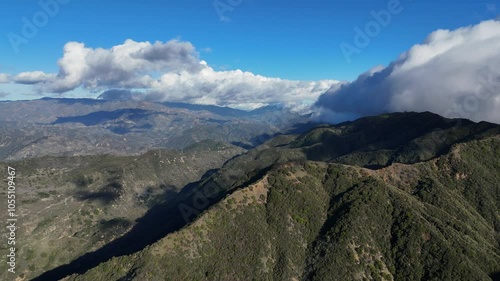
[297,40]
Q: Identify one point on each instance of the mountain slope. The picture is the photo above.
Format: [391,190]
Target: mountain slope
[409,196]
[436,220]
[69,206]
[77,127]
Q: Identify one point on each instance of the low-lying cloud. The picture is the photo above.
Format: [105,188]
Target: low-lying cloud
[170,71]
[33,77]
[452,73]
[4,78]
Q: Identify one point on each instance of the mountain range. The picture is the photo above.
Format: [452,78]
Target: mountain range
[77,127]
[401,196]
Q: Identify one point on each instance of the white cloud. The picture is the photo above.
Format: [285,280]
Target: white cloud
[453,73]
[235,88]
[33,77]
[168,71]
[4,78]
[127,65]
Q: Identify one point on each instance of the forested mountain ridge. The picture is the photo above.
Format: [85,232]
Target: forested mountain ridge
[381,198]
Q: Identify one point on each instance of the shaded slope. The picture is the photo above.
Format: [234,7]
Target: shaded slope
[435,220]
[71,206]
[390,138]
[429,211]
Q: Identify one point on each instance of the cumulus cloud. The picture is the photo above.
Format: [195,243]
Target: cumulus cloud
[170,71]
[33,77]
[452,73]
[228,88]
[234,88]
[120,94]
[4,78]
[127,65]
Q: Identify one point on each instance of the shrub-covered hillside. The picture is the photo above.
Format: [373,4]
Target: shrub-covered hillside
[298,208]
